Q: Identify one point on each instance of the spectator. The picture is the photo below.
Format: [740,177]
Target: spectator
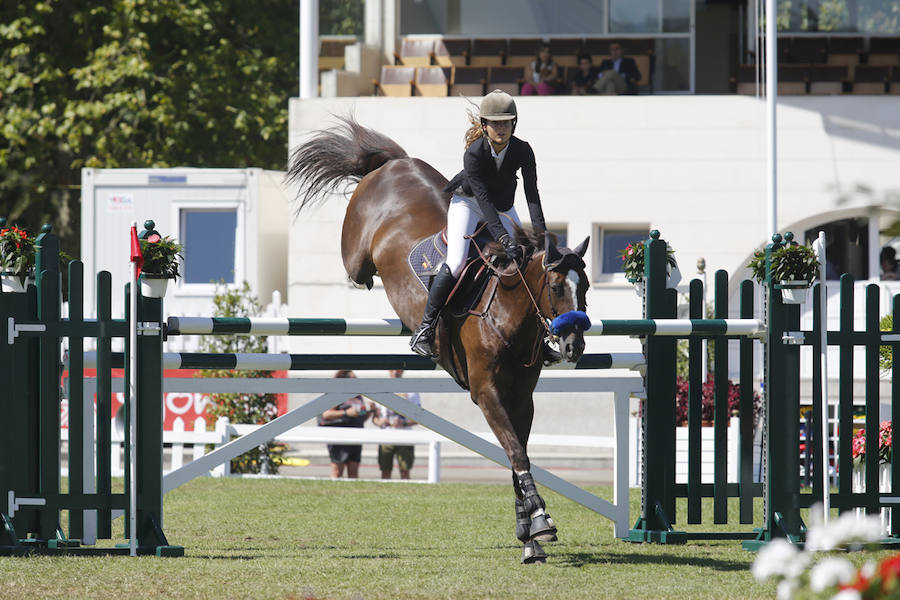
[619,74]
[386,418]
[349,413]
[888,259]
[585,76]
[542,74]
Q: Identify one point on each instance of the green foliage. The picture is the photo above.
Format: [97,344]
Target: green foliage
[794,262]
[16,252]
[162,256]
[242,408]
[633,261]
[132,83]
[341,17]
[885,354]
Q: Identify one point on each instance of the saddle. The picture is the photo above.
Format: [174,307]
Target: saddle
[428,254]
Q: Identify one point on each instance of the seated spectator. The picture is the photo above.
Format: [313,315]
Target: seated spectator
[618,73]
[584,78]
[542,74]
[349,413]
[888,259]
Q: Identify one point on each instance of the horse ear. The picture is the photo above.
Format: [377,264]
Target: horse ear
[581,248]
[552,256]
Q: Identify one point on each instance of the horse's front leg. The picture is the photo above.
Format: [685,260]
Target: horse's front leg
[511,424]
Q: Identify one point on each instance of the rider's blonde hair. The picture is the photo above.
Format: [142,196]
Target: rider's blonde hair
[475,130]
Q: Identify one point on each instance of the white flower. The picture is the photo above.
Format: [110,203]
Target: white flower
[786,589]
[778,557]
[847,595]
[847,529]
[830,571]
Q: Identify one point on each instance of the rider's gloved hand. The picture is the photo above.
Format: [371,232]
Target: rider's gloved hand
[513,250]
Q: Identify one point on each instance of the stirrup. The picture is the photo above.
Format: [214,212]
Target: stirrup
[422,342]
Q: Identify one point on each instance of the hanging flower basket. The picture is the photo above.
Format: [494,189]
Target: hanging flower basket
[14,283]
[793,292]
[633,266]
[154,285]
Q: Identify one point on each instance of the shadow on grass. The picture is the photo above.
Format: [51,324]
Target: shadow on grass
[582,559]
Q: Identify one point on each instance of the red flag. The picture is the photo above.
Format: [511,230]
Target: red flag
[136,255]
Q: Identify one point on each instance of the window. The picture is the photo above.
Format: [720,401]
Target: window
[613,241]
[561,231]
[209,245]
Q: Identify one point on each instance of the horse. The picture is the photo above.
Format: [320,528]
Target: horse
[495,351]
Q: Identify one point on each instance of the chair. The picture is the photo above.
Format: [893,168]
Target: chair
[434,81]
[792,79]
[643,62]
[488,52]
[827,79]
[507,79]
[746,80]
[415,52]
[331,53]
[521,51]
[807,50]
[566,50]
[871,79]
[894,85]
[845,51]
[469,81]
[884,51]
[395,81]
[452,52]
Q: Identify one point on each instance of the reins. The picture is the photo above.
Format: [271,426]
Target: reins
[538,314]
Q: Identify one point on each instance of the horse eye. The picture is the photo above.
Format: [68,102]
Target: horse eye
[557,289]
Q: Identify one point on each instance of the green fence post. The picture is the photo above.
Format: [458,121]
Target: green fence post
[658,419]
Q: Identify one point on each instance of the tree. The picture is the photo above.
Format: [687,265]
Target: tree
[135,83]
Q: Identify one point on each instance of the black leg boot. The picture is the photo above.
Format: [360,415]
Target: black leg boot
[422,341]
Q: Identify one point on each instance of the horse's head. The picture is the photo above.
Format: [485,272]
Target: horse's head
[566,298]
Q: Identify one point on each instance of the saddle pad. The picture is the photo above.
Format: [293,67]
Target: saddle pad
[426,257]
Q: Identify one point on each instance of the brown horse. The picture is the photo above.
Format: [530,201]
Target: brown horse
[397,202]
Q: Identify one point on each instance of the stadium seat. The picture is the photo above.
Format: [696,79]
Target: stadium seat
[566,50]
[469,81]
[895,80]
[792,79]
[522,51]
[395,81]
[807,50]
[845,51]
[488,52]
[331,52]
[452,52]
[507,79]
[433,81]
[871,79]
[415,52]
[827,79]
[884,51]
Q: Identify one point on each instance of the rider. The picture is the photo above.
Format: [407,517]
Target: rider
[483,191]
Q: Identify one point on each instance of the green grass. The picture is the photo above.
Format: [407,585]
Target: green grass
[292,539]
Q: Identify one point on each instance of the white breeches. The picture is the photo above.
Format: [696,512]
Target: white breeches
[462,218]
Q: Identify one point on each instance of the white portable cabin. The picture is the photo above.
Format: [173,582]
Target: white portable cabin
[233,224]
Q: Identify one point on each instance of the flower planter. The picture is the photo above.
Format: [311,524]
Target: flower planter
[154,285]
[14,283]
[793,292]
[884,485]
[639,288]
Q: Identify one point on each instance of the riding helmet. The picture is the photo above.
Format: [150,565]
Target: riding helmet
[498,106]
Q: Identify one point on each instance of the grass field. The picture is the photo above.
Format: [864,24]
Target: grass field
[302,539]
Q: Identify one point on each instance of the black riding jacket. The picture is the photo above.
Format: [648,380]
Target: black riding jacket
[495,190]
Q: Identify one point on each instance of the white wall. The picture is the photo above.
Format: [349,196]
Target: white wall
[691,166]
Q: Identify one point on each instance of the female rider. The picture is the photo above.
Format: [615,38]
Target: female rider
[483,191]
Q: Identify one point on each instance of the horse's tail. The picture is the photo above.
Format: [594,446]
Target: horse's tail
[346,152]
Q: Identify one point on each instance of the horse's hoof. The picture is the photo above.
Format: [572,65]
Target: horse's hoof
[543,529]
[533,553]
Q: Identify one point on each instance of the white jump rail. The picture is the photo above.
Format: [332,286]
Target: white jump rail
[384,391]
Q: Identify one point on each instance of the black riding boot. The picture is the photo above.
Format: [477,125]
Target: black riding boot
[422,341]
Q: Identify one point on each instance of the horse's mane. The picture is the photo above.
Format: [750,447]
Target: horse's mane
[346,152]
[528,238]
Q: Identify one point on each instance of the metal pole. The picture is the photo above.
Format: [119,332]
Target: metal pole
[132,408]
[309,48]
[823,323]
[771,103]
